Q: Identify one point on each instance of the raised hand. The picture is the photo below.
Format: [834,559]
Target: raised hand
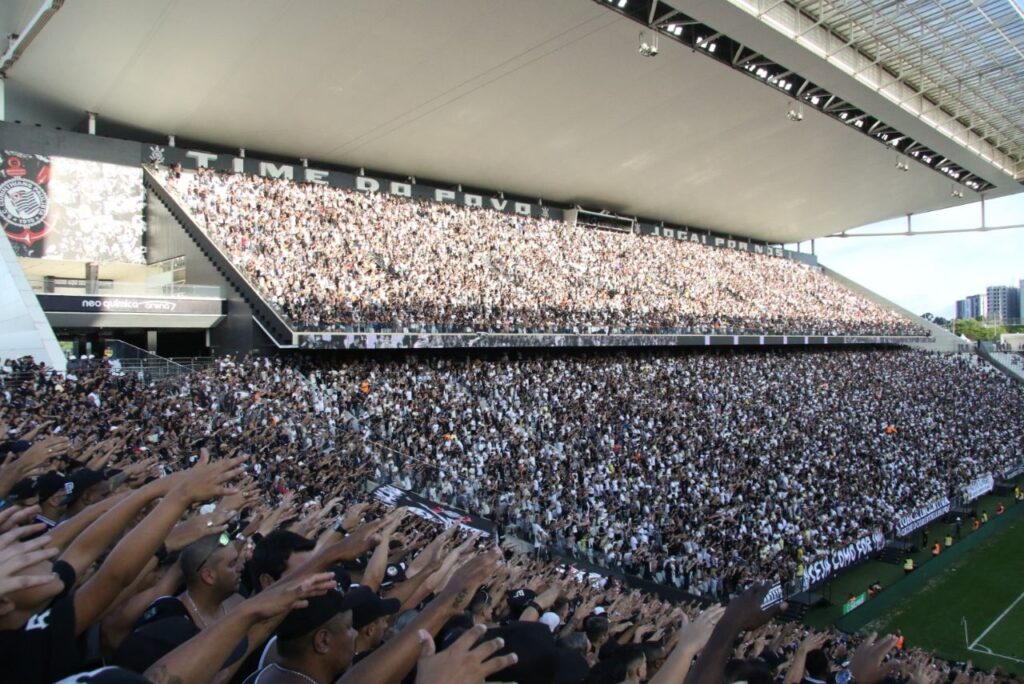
[866,662]
[31,434]
[288,594]
[921,671]
[745,611]
[461,662]
[694,634]
[43,451]
[353,516]
[197,527]
[13,516]
[812,642]
[205,480]
[17,555]
[244,497]
[392,520]
[464,582]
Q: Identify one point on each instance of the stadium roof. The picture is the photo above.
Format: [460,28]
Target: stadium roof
[964,58]
[551,99]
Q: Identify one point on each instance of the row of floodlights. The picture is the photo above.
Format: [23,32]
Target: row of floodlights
[649,48]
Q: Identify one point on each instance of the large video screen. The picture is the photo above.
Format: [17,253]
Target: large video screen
[61,208]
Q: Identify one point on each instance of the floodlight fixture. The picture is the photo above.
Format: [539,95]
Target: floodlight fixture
[648,46]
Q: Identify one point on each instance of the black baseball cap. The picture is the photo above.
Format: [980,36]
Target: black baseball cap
[15,446]
[80,481]
[518,600]
[24,489]
[394,573]
[319,609]
[367,606]
[49,484]
[540,658]
[342,580]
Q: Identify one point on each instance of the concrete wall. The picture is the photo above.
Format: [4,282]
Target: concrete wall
[24,330]
[166,239]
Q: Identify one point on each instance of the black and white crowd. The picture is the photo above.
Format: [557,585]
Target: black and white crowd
[217,526]
[334,259]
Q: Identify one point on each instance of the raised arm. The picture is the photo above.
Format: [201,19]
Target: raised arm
[108,526]
[117,624]
[201,483]
[390,663]
[69,530]
[813,641]
[689,640]
[378,565]
[191,662]
[743,612]
[544,601]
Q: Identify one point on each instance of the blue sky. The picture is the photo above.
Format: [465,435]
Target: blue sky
[929,273]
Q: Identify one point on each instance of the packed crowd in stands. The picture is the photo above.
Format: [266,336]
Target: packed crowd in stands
[96,212]
[332,259]
[216,527]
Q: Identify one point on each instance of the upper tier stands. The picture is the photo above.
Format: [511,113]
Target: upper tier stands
[332,259]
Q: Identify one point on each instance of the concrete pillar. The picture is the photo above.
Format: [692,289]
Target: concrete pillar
[151,341]
[92,277]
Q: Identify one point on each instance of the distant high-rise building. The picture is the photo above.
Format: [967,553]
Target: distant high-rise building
[962,309]
[975,306]
[1003,303]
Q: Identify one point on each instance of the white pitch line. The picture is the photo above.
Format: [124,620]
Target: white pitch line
[989,652]
[996,622]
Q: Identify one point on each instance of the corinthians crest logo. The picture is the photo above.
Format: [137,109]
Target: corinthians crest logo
[24,202]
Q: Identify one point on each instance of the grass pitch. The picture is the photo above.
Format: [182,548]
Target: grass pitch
[974,610]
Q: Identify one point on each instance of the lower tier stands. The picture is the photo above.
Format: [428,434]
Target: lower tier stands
[707,470]
[176,499]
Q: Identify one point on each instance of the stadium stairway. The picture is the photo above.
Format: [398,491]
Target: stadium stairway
[945,341]
[265,316]
[1002,362]
[895,552]
[798,605]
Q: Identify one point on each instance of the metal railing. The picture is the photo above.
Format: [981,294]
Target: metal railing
[127,358]
[138,289]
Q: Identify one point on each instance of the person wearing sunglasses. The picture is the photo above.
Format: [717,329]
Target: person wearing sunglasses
[212,569]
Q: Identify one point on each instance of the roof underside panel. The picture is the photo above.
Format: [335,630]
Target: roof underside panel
[965,56]
[534,98]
